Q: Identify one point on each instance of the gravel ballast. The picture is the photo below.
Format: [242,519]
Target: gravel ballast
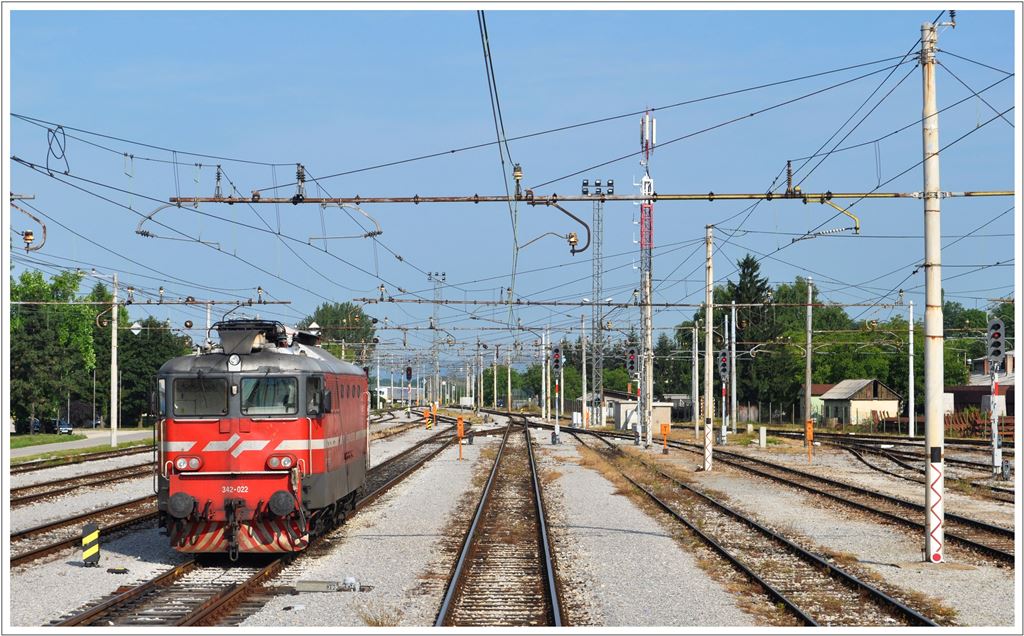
[46,590]
[77,502]
[982,595]
[60,473]
[386,546]
[622,567]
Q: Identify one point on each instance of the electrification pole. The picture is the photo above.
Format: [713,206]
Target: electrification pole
[694,385]
[583,375]
[597,328]
[933,333]
[648,139]
[709,404]
[732,368]
[807,359]
[113,368]
[912,419]
[508,380]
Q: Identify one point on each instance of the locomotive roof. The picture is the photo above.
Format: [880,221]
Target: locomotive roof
[295,358]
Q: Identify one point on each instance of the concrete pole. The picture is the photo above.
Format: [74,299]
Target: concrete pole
[807,357]
[114,403]
[583,378]
[376,354]
[547,374]
[933,345]
[732,368]
[709,404]
[494,380]
[544,376]
[508,380]
[561,394]
[911,420]
[725,381]
[694,384]
[209,307]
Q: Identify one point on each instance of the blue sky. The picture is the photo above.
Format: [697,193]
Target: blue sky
[339,90]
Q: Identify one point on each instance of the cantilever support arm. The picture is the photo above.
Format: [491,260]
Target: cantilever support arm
[29,248]
[372,233]
[856,221]
[586,245]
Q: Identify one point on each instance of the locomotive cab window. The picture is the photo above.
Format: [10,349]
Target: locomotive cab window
[270,396]
[314,394]
[200,397]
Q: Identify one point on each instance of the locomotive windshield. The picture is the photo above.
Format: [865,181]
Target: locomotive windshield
[200,396]
[270,396]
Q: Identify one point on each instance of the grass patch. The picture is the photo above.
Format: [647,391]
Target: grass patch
[21,441]
[380,617]
[72,452]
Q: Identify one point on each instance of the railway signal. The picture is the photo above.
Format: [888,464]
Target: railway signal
[723,365]
[631,355]
[556,357]
[996,346]
[408,373]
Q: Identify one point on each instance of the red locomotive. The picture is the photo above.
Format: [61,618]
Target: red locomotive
[263,443]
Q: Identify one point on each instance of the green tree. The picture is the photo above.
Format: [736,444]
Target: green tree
[346,330]
[139,358]
[51,344]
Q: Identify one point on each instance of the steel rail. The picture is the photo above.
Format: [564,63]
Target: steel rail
[744,462]
[98,610]
[549,571]
[914,617]
[66,521]
[467,541]
[91,479]
[224,600]
[71,542]
[41,464]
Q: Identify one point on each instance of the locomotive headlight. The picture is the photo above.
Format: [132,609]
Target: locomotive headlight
[234,360]
[181,463]
[193,463]
[280,462]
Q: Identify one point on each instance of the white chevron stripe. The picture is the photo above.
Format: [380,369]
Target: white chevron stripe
[249,444]
[222,446]
[178,447]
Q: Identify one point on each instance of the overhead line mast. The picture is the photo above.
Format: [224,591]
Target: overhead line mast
[648,139]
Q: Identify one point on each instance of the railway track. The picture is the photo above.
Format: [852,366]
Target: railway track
[504,575]
[205,592]
[28,494]
[811,589]
[965,443]
[41,464]
[987,539]
[39,541]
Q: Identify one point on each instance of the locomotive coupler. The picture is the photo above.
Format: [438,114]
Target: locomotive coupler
[231,511]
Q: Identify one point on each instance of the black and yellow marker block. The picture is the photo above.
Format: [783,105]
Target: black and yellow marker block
[91,545]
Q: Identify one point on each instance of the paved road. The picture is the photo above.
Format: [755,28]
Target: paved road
[94,437]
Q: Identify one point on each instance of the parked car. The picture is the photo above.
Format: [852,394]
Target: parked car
[64,427]
[28,425]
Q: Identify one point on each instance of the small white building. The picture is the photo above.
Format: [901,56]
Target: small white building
[853,401]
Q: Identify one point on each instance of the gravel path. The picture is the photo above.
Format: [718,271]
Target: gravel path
[75,502]
[45,591]
[386,546]
[981,595]
[58,473]
[623,568]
